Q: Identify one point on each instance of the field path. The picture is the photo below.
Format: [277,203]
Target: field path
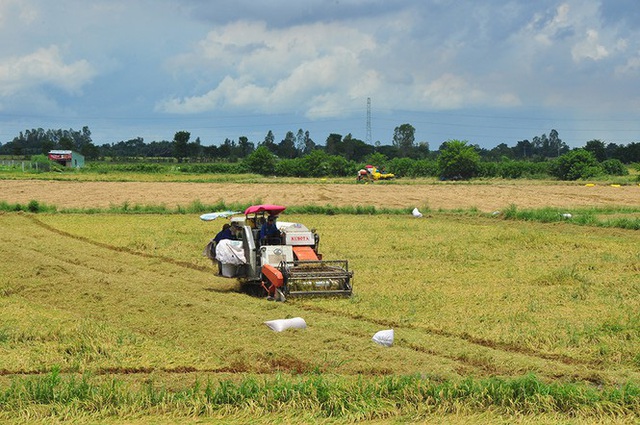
[485,197]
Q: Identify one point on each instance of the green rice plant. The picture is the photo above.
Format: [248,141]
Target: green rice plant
[33,206]
[578,216]
[321,397]
[4,334]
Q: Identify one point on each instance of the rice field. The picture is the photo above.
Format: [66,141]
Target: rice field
[111,317]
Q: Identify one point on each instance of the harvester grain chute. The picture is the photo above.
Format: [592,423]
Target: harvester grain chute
[285,265]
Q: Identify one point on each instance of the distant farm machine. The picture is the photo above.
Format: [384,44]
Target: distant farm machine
[372,173]
[286,265]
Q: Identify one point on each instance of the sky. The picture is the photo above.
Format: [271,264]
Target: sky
[484,71]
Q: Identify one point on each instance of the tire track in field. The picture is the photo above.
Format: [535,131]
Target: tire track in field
[590,372]
[481,342]
[269,367]
[506,347]
[117,248]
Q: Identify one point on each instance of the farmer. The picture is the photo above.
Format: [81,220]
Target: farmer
[269,230]
[225,233]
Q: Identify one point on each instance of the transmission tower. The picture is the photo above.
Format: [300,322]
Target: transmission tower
[368,136]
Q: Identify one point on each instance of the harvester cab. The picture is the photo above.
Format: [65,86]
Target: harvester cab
[283,263]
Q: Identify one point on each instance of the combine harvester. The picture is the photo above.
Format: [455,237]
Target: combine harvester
[287,265]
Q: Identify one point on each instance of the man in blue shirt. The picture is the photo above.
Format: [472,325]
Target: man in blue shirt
[269,229]
[225,233]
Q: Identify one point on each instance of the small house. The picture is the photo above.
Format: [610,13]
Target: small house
[67,158]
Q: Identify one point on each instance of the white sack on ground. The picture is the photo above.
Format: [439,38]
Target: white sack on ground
[384,337]
[284,324]
[416,213]
[230,252]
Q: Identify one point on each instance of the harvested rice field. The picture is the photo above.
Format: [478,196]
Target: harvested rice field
[484,197]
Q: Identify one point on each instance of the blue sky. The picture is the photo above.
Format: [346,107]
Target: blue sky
[488,72]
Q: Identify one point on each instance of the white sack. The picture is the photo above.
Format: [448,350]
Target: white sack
[384,338]
[416,213]
[284,324]
[230,252]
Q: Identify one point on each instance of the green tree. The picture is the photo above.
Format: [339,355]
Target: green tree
[378,159]
[422,150]
[576,164]
[300,142]
[597,148]
[287,147]
[404,137]
[269,142]
[333,144]
[261,161]
[355,149]
[181,145]
[66,143]
[245,146]
[458,160]
[556,146]
[614,167]
[309,144]
[523,149]
[500,152]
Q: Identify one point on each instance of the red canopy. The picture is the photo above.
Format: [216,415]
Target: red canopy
[271,209]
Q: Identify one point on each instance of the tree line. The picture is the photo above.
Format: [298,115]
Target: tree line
[297,154]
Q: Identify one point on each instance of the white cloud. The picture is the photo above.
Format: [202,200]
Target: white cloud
[451,91]
[546,30]
[16,9]
[630,68]
[269,70]
[589,48]
[45,66]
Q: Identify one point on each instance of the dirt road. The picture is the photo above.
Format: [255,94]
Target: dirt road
[485,197]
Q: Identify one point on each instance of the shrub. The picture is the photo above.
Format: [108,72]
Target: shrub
[316,163]
[614,167]
[291,168]
[261,161]
[425,168]
[378,159]
[401,167]
[458,160]
[214,168]
[140,167]
[576,164]
[339,166]
[488,169]
[511,169]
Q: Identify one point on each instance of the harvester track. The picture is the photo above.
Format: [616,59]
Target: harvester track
[117,248]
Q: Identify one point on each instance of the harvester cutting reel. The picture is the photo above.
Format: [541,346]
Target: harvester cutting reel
[307,278]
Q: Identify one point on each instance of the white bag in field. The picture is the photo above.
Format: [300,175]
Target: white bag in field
[384,337]
[280,325]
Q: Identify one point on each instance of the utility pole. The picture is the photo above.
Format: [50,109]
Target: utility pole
[368,136]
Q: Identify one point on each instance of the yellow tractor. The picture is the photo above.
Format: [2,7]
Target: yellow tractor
[371,173]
